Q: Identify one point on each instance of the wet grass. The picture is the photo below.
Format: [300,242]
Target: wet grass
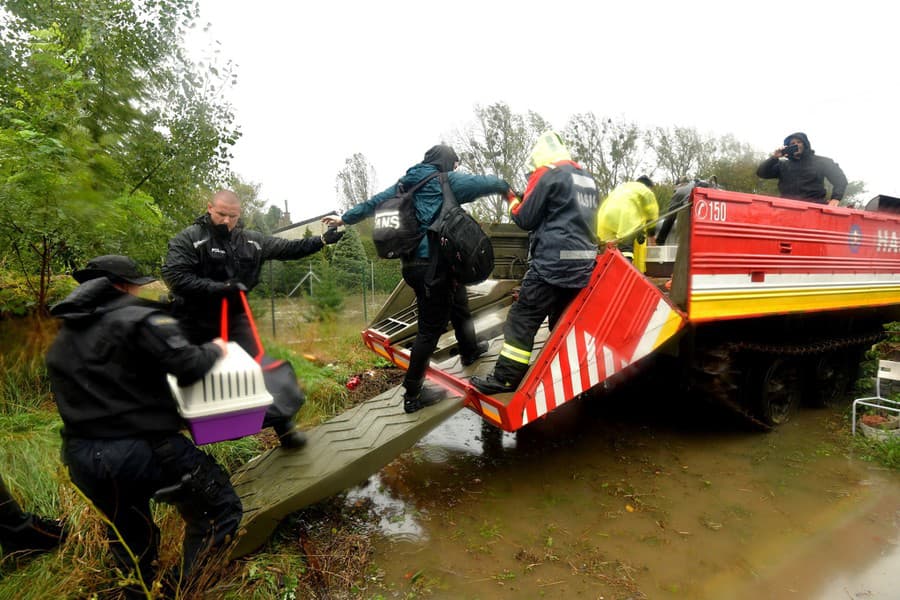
[322,552]
[885,453]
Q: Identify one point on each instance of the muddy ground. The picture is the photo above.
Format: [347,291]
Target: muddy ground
[632,496]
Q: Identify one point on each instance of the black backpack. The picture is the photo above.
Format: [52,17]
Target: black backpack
[396,231]
[459,242]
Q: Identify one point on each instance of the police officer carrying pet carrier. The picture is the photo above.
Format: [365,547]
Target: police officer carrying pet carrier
[121,436]
[217,258]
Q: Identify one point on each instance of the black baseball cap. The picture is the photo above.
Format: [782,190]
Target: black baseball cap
[114,267]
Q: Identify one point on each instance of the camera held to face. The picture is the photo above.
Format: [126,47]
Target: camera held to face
[790,150]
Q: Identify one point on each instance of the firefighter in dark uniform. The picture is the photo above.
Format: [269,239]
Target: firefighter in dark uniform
[559,208]
[23,533]
[121,435]
[216,258]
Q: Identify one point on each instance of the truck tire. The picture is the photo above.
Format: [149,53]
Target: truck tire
[775,389]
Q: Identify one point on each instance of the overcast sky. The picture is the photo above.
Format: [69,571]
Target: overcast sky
[320,81]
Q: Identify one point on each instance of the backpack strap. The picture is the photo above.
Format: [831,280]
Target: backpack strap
[418,186]
[412,192]
[434,254]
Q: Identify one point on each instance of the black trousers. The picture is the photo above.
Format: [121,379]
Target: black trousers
[120,477]
[537,300]
[441,301]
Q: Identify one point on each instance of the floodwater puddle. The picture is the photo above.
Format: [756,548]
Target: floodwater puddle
[629,499]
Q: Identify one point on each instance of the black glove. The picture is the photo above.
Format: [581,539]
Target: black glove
[332,235]
[231,287]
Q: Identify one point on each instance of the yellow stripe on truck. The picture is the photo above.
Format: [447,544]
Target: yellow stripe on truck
[717,305]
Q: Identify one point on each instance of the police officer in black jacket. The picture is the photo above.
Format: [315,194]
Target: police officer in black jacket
[216,258]
[121,436]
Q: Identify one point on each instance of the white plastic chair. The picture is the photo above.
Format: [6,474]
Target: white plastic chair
[887,369]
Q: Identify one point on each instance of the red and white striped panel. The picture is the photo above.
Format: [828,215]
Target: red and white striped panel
[618,319]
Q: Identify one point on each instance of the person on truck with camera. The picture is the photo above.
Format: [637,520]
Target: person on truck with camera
[801,173]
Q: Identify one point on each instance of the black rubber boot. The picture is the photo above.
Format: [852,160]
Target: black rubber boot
[480,349]
[490,385]
[506,378]
[34,535]
[421,396]
[288,435]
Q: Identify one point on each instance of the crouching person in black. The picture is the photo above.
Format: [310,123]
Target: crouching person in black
[121,440]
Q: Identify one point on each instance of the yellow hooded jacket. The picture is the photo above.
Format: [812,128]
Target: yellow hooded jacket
[627,209]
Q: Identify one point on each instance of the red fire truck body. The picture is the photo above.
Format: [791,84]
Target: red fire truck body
[762,302]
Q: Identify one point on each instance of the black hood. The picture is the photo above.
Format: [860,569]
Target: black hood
[441,156]
[802,137]
[91,298]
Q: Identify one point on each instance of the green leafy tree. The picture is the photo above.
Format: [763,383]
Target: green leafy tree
[681,152]
[106,144]
[349,262]
[159,114]
[586,139]
[61,193]
[611,150]
[498,144]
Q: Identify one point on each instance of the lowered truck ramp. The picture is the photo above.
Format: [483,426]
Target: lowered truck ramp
[339,454]
[347,449]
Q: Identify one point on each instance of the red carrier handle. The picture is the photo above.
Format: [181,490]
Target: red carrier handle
[224,324]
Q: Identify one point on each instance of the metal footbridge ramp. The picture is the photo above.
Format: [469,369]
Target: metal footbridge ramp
[605,329]
[347,449]
[339,454]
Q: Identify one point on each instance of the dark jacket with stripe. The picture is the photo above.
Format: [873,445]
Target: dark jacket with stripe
[559,208]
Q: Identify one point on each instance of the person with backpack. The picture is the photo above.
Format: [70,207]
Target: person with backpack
[439,297]
[559,208]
